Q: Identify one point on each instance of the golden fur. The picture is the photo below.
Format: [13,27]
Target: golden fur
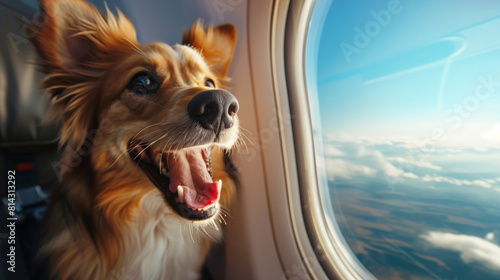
[100,210]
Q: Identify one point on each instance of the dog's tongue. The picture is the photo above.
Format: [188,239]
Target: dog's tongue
[188,169]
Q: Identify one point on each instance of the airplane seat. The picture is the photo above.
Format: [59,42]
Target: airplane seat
[28,147]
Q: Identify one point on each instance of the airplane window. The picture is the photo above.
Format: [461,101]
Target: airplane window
[405,97]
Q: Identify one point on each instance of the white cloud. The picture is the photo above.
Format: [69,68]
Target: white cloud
[388,168]
[493,134]
[391,171]
[480,148]
[409,175]
[344,137]
[331,151]
[471,248]
[439,179]
[454,150]
[368,161]
[423,164]
[345,169]
[490,236]
[376,141]
[479,183]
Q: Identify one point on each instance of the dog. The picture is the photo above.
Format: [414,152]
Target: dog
[146,135]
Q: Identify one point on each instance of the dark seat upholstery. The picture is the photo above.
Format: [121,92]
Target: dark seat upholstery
[26,144]
[23,136]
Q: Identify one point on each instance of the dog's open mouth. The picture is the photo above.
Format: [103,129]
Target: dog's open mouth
[184,177]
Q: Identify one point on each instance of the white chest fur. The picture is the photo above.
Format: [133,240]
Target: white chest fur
[161,245]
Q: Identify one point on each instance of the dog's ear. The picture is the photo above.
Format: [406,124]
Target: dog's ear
[216,44]
[76,34]
[77,44]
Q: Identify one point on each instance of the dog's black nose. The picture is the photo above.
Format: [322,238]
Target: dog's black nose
[214,109]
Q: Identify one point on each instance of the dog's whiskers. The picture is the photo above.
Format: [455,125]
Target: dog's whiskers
[195,226]
[242,128]
[241,142]
[222,220]
[149,145]
[242,133]
[225,211]
[128,150]
[190,226]
[203,227]
[149,126]
[163,151]
[117,158]
[214,224]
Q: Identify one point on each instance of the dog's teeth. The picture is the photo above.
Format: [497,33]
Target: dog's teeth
[158,159]
[219,184]
[180,193]
[164,171]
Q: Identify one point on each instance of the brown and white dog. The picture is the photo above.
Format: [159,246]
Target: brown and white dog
[146,132]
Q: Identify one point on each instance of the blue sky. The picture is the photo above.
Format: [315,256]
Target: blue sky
[396,68]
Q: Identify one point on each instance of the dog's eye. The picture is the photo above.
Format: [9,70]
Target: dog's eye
[144,83]
[209,83]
